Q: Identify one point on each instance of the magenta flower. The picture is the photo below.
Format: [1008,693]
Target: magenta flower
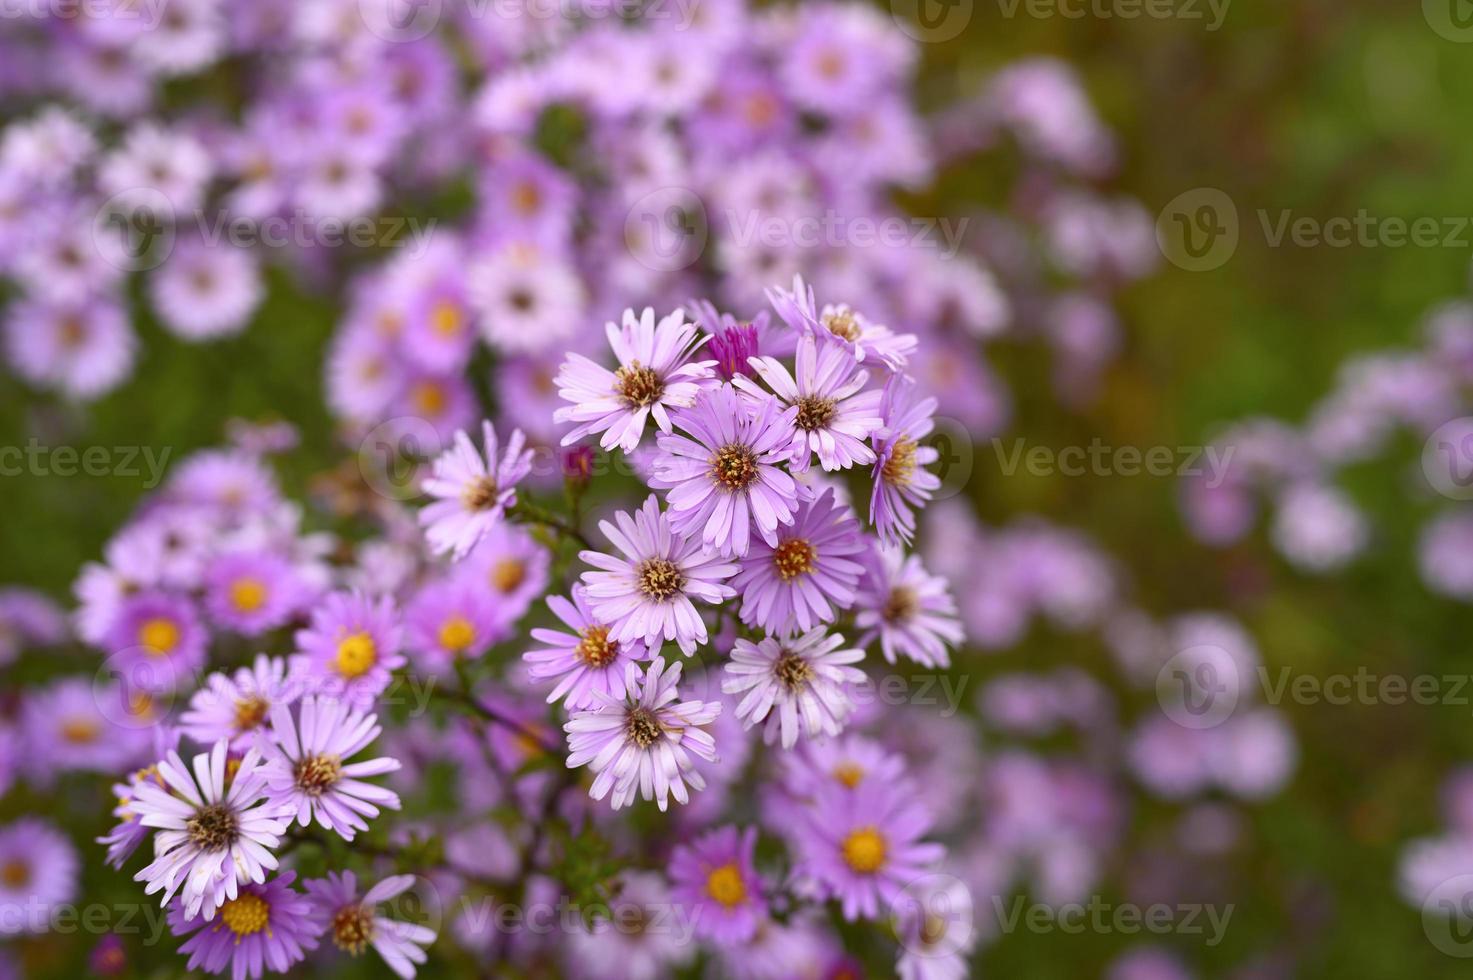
[350,648]
[901,480]
[211,838]
[157,642]
[643,744]
[716,879]
[655,374]
[864,848]
[808,575]
[38,870]
[586,662]
[354,923]
[265,925]
[793,684]
[724,478]
[252,592]
[451,619]
[647,595]
[236,706]
[909,609]
[307,769]
[864,339]
[835,414]
[472,493]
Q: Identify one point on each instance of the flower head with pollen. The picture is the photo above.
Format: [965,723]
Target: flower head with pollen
[910,610]
[716,879]
[157,641]
[235,706]
[585,662]
[452,620]
[310,765]
[472,492]
[797,686]
[901,480]
[252,592]
[724,474]
[214,833]
[351,647]
[647,593]
[650,729]
[861,339]
[264,923]
[655,374]
[356,923]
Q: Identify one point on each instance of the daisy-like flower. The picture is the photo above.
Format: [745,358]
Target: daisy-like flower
[252,592]
[308,771]
[655,374]
[846,763]
[647,594]
[865,340]
[83,347]
[586,662]
[212,837]
[512,566]
[265,925]
[811,572]
[909,609]
[643,744]
[38,870]
[451,619]
[236,706]
[835,414]
[864,847]
[351,647]
[716,879]
[206,290]
[472,493]
[635,939]
[793,684]
[157,642]
[128,832]
[354,923]
[934,925]
[725,478]
[73,724]
[901,480]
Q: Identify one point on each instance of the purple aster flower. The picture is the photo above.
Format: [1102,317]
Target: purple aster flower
[908,608]
[265,925]
[472,493]
[835,415]
[901,478]
[724,477]
[236,706]
[647,594]
[205,290]
[585,662]
[354,923]
[253,592]
[865,847]
[440,333]
[448,620]
[793,684]
[83,348]
[74,725]
[716,879]
[655,374]
[637,939]
[529,299]
[813,569]
[38,870]
[307,768]
[643,744]
[733,347]
[512,566]
[934,924]
[28,618]
[158,642]
[213,836]
[863,338]
[351,647]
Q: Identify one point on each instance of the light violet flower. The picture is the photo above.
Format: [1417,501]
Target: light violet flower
[236,706]
[715,877]
[908,608]
[472,493]
[643,745]
[655,374]
[901,480]
[796,684]
[585,662]
[266,925]
[864,339]
[356,923]
[351,647]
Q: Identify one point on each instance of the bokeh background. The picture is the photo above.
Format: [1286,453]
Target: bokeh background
[1324,108]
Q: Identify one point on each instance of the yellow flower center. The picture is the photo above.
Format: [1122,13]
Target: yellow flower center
[794,557]
[457,634]
[250,712]
[594,646]
[356,655]
[848,773]
[15,874]
[247,594]
[429,397]
[508,573]
[900,467]
[159,635]
[245,915]
[726,886]
[80,731]
[864,850]
[446,319]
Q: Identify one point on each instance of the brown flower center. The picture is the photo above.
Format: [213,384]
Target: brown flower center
[660,579]
[794,557]
[318,773]
[734,467]
[639,386]
[900,467]
[792,670]
[213,827]
[643,728]
[595,649]
[250,712]
[901,605]
[15,874]
[815,412]
[352,928]
[481,495]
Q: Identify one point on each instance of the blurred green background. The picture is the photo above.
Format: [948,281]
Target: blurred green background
[1320,107]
